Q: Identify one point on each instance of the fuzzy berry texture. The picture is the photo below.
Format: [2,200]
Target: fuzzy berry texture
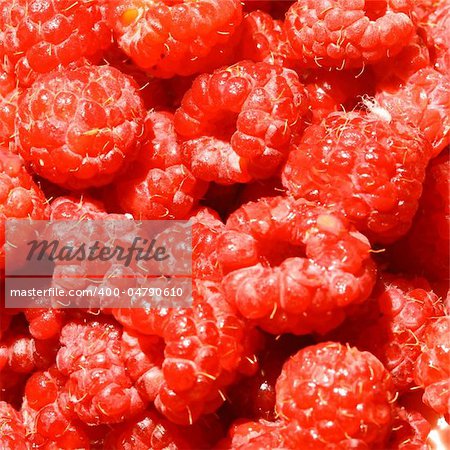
[180,38]
[41,36]
[422,101]
[78,127]
[14,436]
[392,325]
[437,25]
[321,384]
[293,267]
[238,121]
[370,166]
[425,249]
[158,185]
[343,34]
[20,196]
[432,370]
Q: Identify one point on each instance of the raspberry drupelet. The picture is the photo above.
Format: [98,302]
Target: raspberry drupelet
[392,323]
[20,196]
[370,166]
[344,34]
[238,121]
[293,267]
[40,36]
[432,371]
[175,38]
[158,185]
[341,397]
[13,432]
[79,127]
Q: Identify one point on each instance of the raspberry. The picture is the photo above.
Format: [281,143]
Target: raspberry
[437,26]
[335,91]
[99,386]
[425,249]
[238,121]
[44,323]
[20,197]
[343,34]
[338,394]
[391,325]
[39,37]
[206,347]
[73,208]
[9,94]
[77,128]
[294,267]
[158,185]
[181,38]
[424,102]
[370,167]
[432,370]
[13,431]
[46,423]
[264,39]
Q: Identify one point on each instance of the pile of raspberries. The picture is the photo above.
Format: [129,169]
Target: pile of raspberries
[307,142]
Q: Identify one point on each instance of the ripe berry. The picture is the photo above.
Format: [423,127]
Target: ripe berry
[432,371]
[422,101]
[158,185]
[370,167]
[293,267]
[343,34]
[238,121]
[337,394]
[20,197]
[425,249]
[79,127]
[436,26]
[392,323]
[39,37]
[183,38]
[9,95]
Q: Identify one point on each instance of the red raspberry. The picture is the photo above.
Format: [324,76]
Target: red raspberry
[436,26]
[294,267]
[339,395]
[391,325]
[370,167]
[206,228]
[181,38]
[45,323]
[39,37]
[100,390]
[13,431]
[9,95]
[264,39]
[238,121]
[20,197]
[46,422]
[423,101]
[74,208]
[158,185]
[409,431]
[206,348]
[77,128]
[425,249]
[336,91]
[348,33]
[432,370]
